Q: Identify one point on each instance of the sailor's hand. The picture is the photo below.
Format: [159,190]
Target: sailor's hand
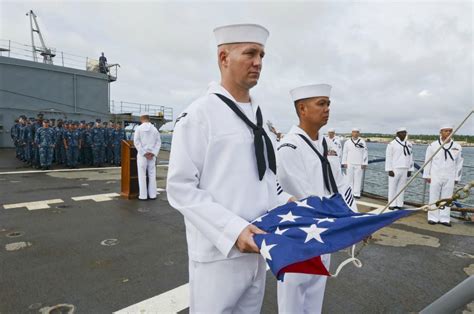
[428,180]
[149,156]
[245,242]
[391,174]
[292,199]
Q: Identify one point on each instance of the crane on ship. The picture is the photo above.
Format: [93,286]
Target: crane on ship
[47,53]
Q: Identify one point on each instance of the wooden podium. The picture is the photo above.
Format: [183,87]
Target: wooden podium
[129,183]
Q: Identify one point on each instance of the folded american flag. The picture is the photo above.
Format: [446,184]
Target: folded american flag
[298,233]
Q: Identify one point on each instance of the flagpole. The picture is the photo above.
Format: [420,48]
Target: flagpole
[428,161]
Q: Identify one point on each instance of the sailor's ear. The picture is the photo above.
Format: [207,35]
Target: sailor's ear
[300,107]
[222,57]
[223,54]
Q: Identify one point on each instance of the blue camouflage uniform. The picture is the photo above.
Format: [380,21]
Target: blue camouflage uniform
[118,135]
[82,153]
[87,144]
[60,151]
[72,139]
[14,134]
[31,142]
[45,141]
[36,153]
[98,145]
[109,150]
[29,139]
[22,141]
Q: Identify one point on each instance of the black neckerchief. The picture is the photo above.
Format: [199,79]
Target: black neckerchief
[329,181]
[446,150]
[259,135]
[357,144]
[406,150]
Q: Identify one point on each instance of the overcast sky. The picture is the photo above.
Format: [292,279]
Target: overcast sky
[390,64]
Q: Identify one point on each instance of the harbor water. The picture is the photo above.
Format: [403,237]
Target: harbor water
[376,179]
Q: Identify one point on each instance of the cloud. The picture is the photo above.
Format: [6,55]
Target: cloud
[424,93]
[390,64]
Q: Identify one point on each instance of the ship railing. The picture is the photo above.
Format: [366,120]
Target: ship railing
[379,178]
[123,107]
[13,49]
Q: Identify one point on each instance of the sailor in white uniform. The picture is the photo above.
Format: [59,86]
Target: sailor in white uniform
[222,175]
[443,172]
[335,145]
[355,159]
[399,164]
[147,141]
[304,169]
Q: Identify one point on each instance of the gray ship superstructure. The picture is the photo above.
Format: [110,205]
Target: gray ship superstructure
[36,79]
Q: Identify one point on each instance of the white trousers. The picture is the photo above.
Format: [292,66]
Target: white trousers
[395,184]
[143,166]
[234,285]
[354,176]
[440,188]
[302,293]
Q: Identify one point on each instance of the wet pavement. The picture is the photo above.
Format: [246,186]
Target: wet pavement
[102,253]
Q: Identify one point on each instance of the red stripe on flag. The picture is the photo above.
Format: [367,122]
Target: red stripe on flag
[313,266]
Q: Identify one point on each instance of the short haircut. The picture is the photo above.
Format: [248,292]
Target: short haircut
[145,116]
[297,102]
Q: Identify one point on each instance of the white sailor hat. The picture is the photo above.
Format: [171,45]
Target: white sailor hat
[310,91]
[355,130]
[241,33]
[402,129]
[445,127]
[331,130]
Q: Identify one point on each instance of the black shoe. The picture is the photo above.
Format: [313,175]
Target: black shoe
[142,199]
[356,197]
[447,224]
[152,199]
[392,208]
[431,222]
